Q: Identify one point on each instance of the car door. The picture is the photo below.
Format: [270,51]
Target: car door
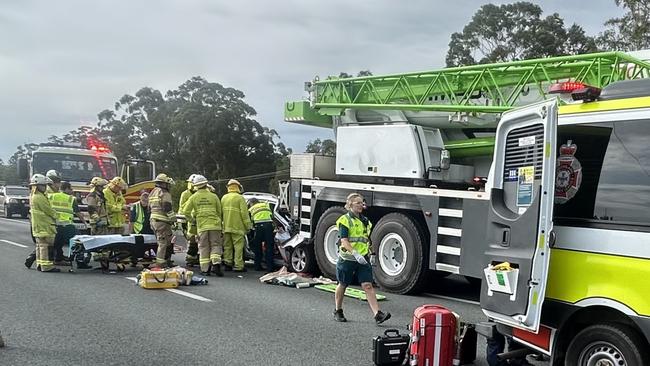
[520,216]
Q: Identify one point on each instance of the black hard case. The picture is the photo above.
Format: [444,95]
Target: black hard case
[390,349]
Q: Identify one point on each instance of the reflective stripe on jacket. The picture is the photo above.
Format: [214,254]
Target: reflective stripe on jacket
[43,216]
[358,235]
[63,204]
[205,207]
[261,212]
[158,200]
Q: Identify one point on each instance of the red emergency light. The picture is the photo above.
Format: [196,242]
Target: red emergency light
[577,89]
[99,148]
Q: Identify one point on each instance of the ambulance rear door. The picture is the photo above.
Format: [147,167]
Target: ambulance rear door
[520,226]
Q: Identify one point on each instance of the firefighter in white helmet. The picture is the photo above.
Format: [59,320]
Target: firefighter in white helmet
[189,228]
[162,218]
[43,219]
[205,207]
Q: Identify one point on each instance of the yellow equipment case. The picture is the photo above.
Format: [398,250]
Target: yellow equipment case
[159,279]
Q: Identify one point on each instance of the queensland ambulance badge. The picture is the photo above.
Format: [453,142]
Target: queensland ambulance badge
[568,174]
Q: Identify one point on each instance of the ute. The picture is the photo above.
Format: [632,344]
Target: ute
[528,177]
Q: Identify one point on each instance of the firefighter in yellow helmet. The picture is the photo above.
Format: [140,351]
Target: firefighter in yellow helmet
[205,207]
[236,223]
[162,218]
[97,207]
[43,219]
[115,205]
[189,228]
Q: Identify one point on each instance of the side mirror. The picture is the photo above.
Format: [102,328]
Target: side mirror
[23,169]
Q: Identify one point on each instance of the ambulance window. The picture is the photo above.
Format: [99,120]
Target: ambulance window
[614,187]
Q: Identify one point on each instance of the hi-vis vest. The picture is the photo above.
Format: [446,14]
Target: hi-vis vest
[63,203]
[139,218]
[261,212]
[358,235]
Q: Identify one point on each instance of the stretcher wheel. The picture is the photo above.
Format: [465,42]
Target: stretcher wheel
[120,267]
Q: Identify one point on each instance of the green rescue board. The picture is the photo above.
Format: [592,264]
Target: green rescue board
[350,292]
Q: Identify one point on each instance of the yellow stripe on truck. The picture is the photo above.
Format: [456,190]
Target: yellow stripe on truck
[575,276]
[605,105]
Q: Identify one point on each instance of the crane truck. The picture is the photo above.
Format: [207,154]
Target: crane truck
[529,177]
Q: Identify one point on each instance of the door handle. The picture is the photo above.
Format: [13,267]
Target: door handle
[505,237]
[551,239]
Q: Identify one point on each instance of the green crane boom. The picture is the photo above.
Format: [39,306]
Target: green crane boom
[490,88]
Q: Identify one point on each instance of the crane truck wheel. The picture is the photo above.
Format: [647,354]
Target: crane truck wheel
[397,242]
[326,241]
[607,344]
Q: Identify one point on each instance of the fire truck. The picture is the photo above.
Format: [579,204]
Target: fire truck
[79,164]
[531,177]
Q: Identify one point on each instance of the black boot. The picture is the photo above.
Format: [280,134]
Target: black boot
[381,317]
[216,269]
[30,260]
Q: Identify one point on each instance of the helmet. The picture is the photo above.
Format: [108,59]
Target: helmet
[191,178]
[119,182]
[235,182]
[199,181]
[39,179]
[163,178]
[98,182]
[53,175]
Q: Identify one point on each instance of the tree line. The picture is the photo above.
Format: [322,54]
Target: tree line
[207,128]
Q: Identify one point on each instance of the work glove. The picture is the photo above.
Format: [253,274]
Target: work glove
[359,258]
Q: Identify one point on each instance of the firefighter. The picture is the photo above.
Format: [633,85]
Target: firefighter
[205,207]
[97,207]
[354,257]
[115,205]
[43,219]
[55,185]
[162,218]
[189,228]
[263,223]
[236,223]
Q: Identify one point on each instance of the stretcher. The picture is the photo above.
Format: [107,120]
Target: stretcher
[117,249]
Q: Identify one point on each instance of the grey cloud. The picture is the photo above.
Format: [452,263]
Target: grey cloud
[62,62]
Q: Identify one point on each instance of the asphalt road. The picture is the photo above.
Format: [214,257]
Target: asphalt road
[89,318]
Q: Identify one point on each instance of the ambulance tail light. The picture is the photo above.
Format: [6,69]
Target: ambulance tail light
[578,90]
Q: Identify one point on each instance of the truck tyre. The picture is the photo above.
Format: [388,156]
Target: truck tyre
[607,344]
[302,260]
[326,241]
[401,265]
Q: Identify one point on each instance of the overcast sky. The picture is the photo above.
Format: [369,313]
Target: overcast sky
[62,62]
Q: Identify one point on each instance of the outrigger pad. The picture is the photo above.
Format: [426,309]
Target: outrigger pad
[350,292]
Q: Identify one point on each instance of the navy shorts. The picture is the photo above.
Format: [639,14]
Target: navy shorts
[347,271]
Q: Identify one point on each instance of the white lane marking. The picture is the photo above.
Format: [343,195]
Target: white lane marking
[26,222]
[453,299]
[179,292]
[13,243]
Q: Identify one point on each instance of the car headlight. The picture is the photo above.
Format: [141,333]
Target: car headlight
[13,200]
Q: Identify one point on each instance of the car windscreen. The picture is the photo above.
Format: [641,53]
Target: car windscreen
[17,191]
[76,168]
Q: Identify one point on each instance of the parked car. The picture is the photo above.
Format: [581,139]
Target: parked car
[14,200]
